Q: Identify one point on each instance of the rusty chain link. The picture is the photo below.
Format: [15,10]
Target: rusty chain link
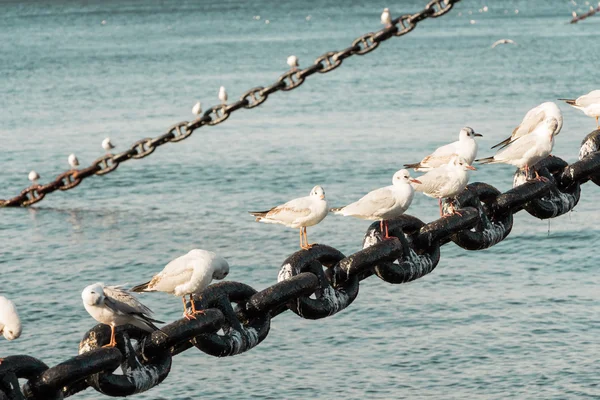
[219,113]
[237,318]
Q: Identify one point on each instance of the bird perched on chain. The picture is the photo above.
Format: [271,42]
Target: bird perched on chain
[197,109]
[33,177]
[383,203]
[114,306]
[503,41]
[448,180]
[73,161]
[532,120]
[10,324]
[589,104]
[465,147]
[526,151]
[187,275]
[386,17]
[298,213]
[223,95]
[107,145]
[292,61]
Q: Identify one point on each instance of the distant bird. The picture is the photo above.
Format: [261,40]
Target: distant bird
[472,22]
[465,147]
[107,144]
[111,305]
[589,104]
[298,213]
[10,324]
[446,181]
[526,151]
[33,177]
[535,117]
[187,275]
[386,18]
[292,61]
[503,41]
[223,95]
[383,203]
[73,161]
[197,109]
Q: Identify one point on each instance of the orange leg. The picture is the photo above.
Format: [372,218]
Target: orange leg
[194,311]
[112,342]
[597,125]
[187,315]
[440,203]
[306,244]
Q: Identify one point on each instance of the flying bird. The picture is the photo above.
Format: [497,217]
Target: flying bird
[589,104]
[532,120]
[114,306]
[465,147]
[187,275]
[383,203]
[503,41]
[298,213]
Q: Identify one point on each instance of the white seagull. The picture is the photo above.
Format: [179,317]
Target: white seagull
[386,17]
[445,181]
[187,275]
[111,305]
[589,104]
[383,203]
[292,61]
[465,147]
[526,151]
[223,95]
[298,213]
[503,41]
[33,177]
[10,324]
[197,109]
[107,144]
[73,161]
[533,119]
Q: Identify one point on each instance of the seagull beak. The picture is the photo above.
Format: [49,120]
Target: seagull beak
[472,168]
[415,180]
[477,134]
[322,197]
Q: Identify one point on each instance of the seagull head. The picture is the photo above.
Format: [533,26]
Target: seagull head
[93,294]
[221,268]
[468,133]
[12,324]
[318,191]
[403,177]
[553,111]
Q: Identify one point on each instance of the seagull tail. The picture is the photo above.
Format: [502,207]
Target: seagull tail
[259,214]
[486,160]
[570,102]
[415,165]
[337,210]
[502,144]
[141,288]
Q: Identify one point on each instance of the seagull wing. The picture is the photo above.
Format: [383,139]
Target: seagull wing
[175,273]
[592,97]
[433,181]
[373,204]
[122,302]
[292,210]
[516,148]
[530,122]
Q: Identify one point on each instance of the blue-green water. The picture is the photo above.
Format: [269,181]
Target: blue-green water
[519,320]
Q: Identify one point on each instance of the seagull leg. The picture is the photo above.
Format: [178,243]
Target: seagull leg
[187,315]
[541,178]
[387,235]
[440,203]
[112,342]
[597,125]
[307,245]
[194,311]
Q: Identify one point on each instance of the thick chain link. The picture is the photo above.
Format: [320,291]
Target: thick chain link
[215,115]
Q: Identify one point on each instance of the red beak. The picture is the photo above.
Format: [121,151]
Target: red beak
[472,168]
[415,180]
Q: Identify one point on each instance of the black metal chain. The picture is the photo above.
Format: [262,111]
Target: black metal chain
[237,318]
[217,114]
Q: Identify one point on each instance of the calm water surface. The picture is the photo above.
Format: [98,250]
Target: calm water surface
[519,320]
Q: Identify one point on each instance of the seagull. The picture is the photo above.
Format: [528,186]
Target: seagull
[383,203]
[33,177]
[298,213]
[114,306]
[445,181]
[223,95]
[526,151]
[386,17]
[73,161]
[589,104]
[107,144]
[534,118]
[197,109]
[465,147]
[10,324]
[187,275]
[503,41]
[292,61]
